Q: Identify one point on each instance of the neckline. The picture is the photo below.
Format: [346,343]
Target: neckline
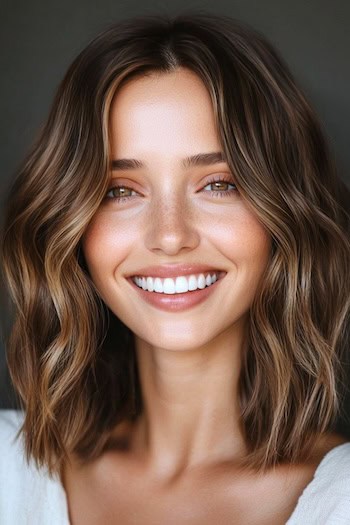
[306,491]
[309,487]
[320,467]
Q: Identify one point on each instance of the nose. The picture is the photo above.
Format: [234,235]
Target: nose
[171,227]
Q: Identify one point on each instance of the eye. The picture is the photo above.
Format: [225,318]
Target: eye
[123,193]
[221,182]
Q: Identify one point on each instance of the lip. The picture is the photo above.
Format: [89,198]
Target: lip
[176,302]
[175,270]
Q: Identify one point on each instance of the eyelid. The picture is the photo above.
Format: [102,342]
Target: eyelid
[121,181]
[226,177]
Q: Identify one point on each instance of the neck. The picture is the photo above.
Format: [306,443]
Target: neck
[191,411]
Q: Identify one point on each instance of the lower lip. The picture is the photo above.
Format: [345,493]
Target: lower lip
[176,302]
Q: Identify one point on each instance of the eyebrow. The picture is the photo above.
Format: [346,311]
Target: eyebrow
[201,159]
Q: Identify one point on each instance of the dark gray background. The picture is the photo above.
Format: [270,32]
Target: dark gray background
[39,39]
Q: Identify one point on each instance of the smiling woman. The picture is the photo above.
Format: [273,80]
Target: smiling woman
[176,247]
[169,214]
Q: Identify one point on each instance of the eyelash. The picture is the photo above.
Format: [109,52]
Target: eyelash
[215,193]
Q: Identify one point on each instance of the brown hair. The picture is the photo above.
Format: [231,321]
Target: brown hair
[71,361]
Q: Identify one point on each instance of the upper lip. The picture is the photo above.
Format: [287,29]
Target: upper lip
[174,270]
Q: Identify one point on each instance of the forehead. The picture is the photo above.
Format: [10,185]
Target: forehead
[163,111]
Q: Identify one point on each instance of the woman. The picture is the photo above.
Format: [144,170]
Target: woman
[176,246]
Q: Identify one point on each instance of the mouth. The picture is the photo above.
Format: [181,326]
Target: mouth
[179,286]
[177,302]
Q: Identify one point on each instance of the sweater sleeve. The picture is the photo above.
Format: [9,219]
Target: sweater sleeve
[27,494]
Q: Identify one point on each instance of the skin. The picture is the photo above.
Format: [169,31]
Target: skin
[189,437]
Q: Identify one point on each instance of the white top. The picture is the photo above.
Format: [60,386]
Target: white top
[29,495]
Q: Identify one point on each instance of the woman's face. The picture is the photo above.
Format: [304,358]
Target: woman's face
[169,214]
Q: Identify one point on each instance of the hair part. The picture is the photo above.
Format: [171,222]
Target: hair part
[71,360]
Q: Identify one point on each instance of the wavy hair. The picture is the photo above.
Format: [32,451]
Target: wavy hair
[71,361]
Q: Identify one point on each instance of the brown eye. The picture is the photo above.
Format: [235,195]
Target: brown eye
[119,192]
[221,187]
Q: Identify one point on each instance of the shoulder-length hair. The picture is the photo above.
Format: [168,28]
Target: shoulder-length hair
[71,361]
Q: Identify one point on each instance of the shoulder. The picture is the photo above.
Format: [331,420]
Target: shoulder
[10,422]
[10,447]
[27,494]
[327,498]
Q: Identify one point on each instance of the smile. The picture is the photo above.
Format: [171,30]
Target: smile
[176,301]
[177,285]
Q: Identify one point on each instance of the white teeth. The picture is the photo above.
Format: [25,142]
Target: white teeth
[158,287]
[179,285]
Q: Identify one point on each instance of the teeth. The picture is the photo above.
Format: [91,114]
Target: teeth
[179,285]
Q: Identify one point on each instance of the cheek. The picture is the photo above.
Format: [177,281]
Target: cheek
[256,244]
[249,250]
[243,240]
[106,245]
